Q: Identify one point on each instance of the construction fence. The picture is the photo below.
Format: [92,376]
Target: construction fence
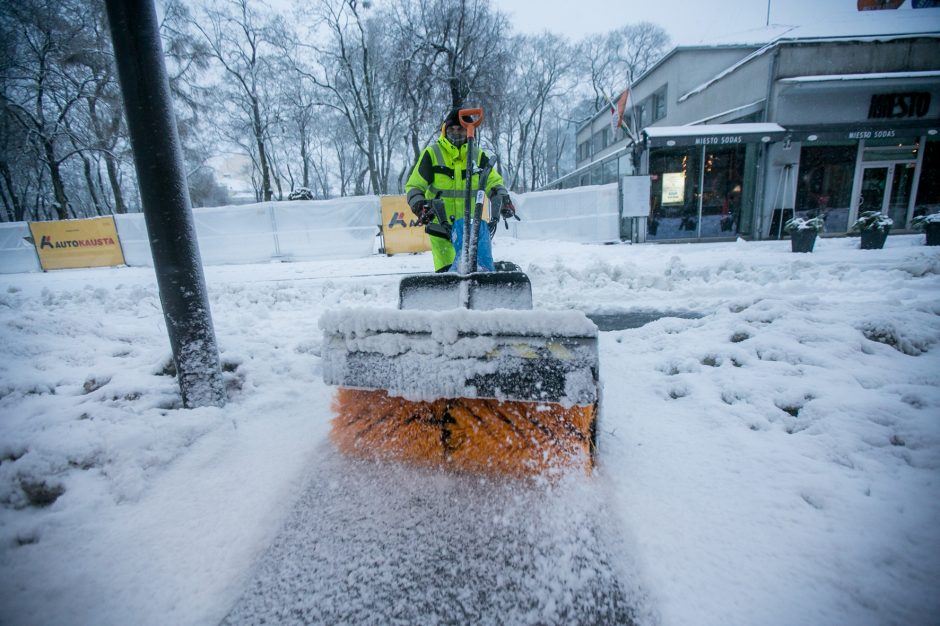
[296,231]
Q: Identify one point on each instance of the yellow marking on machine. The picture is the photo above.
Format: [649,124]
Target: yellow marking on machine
[560,351]
[525,351]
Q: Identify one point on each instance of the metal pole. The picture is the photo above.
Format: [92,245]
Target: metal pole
[165,196]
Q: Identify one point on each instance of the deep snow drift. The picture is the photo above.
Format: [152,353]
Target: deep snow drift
[774,461]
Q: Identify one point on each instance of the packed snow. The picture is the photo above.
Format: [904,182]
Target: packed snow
[768,453]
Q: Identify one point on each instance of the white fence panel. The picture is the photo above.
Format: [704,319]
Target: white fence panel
[132,232]
[235,234]
[317,229]
[584,214]
[17,253]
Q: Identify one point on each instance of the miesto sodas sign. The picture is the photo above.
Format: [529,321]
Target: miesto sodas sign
[77,243]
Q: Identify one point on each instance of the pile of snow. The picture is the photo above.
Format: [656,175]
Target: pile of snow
[773,461]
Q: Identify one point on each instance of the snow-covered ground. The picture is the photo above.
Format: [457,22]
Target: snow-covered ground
[774,461]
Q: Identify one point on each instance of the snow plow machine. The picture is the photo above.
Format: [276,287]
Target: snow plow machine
[465,374]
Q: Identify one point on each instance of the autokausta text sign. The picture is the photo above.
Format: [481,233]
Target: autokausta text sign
[68,244]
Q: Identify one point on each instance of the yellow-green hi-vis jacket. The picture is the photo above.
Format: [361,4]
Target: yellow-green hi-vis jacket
[440,169]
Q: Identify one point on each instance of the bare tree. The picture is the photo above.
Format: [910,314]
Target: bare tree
[13,194]
[348,62]
[539,82]
[467,38]
[612,61]
[102,114]
[189,61]
[345,109]
[40,87]
[244,38]
[416,93]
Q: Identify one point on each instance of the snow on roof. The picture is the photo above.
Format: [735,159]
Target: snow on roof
[862,24]
[712,129]
[725,72]
[737,111]
[871,76]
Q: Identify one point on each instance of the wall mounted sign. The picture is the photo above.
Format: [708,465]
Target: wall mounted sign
[705,138]
[843,132]
[899,105]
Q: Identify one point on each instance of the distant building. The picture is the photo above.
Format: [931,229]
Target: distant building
[832,119]
[233,171]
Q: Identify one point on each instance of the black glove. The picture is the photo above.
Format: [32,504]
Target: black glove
[422,210]
[508,209]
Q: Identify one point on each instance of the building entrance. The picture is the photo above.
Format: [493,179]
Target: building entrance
[886,188]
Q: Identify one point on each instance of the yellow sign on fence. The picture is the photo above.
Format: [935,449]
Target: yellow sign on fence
[77,243]
[400,227]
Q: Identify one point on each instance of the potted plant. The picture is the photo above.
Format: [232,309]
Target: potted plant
[803,231]
[874,227]
[930,224]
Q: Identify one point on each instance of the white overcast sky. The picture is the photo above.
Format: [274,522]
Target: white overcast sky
[687,21]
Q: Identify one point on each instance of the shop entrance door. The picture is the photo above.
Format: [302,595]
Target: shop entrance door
[886,188]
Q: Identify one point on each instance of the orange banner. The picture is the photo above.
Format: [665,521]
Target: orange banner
[77,243]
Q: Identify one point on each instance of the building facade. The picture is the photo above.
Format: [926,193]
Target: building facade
[737,137]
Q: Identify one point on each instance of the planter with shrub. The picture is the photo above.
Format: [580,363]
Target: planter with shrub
[874,227]
[803,232]
[930,224]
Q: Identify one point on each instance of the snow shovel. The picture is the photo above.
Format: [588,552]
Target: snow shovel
[465,374]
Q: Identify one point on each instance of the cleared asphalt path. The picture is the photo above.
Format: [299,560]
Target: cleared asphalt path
[377,543]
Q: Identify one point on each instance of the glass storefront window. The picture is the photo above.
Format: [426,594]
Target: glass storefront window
[928,189]
[723,190]
[674,191]
[902,180]
[722,209]
[824,183]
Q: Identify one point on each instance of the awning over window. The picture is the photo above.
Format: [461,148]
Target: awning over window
[711,134]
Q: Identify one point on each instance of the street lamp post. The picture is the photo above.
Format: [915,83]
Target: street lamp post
[164,193]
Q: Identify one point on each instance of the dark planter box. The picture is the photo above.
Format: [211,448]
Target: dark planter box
[932,230]
[874,239]
[803,240]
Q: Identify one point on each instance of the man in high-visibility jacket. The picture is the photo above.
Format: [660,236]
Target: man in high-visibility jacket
[440,170]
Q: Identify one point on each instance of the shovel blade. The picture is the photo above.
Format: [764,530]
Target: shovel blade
[486,291]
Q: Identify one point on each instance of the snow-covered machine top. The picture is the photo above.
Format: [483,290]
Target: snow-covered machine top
[453,322]
[548,356]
